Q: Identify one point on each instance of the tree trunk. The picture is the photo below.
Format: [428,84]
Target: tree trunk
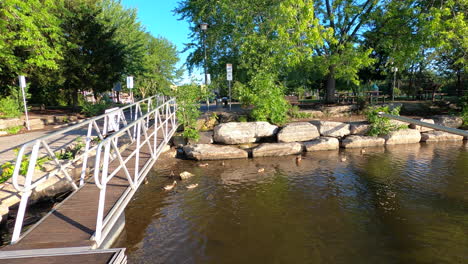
[75,100]
[331,86]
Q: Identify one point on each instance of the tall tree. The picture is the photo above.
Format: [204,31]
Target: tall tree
[341,56]
[159,66]
[30,38]
[94,61]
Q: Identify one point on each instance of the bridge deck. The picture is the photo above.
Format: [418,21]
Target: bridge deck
[73,222]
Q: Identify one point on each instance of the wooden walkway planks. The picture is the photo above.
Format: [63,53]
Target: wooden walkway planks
[72,223]
[69,259]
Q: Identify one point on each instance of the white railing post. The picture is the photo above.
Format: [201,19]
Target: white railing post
[102,194]
[85,156]
[137,154]
[27,192]
[155,132]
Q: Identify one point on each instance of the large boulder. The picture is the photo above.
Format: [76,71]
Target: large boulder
[243,132]
[301,131]
[322,143]
[333,129]
[421,128]
[403,136]
[213,152]
[277,149]
[359,128]
[448,121]
[355,141]
[435,136]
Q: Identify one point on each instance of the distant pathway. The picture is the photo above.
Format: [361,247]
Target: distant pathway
[9,143]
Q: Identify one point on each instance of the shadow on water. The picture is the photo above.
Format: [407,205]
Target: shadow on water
[402,204]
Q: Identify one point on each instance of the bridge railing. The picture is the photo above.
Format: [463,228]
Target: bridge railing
[152,133]
[93,130]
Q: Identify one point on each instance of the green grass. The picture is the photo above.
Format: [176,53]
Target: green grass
[13,130]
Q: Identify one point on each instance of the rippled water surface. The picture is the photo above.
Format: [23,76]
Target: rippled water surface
[405,204]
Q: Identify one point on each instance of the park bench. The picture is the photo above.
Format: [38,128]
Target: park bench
[292,99]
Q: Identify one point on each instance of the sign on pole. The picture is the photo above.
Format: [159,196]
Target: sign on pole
[208,79]
[22,84]
[229,72]
[130,82]
[229,78]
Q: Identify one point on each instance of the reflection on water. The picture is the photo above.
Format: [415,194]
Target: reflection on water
[404,204]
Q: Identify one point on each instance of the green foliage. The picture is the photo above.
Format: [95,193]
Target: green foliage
[266,96]
[13,130]
[294,112]
[65,47]
[8,167]
[71,151]
[242,118]
[188,112]
[380,126]
[30,38]
[464,112]
[90,109]
[9,108]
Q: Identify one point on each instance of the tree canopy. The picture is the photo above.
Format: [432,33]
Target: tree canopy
[65,47]
[328,44]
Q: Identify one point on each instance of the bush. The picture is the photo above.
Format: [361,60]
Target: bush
[266,96]
[13,130]
[294,112]
[188,112]
[464,111]
[9,108]
[8,167]
[381,125]
[90,109]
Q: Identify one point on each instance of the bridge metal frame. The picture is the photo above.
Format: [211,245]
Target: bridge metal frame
[425,124]
[149,139]
[99,126]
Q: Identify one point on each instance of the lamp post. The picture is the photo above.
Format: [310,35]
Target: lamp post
[394,70]
[204,28]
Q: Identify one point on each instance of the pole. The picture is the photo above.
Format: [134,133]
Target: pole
[394,83]
[205,68]
[230,96]
[22,84]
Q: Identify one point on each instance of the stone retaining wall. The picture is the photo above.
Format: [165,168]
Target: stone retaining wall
[294,138]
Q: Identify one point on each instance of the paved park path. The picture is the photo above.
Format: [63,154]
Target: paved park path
[8,144]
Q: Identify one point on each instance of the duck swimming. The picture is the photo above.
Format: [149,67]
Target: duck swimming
[170,186]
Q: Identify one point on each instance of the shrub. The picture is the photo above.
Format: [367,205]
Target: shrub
[294,112]
[464,111]
[90,109]
[9,108]
[8,167]
[13,130]
[188,112]
[266,96]
[381,125]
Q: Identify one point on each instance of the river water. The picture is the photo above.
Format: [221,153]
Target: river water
[401,204]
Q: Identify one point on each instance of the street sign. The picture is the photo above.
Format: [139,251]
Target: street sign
[229,72]
[22,81]
[117,87]
[208,79]
[130,82]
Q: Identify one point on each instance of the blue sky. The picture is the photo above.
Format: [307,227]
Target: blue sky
[158,18]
